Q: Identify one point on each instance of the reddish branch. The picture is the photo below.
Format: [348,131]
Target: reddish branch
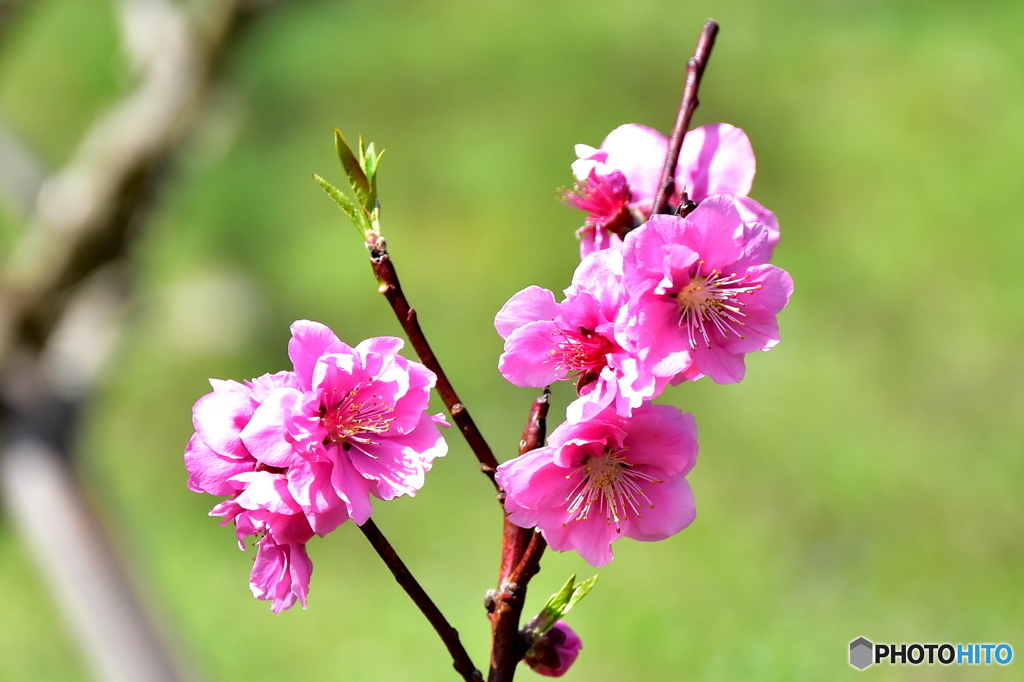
[694,71]
[384,269]
[449,635]
[520,560]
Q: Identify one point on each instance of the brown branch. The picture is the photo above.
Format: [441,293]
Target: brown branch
[521,551]
[386,275]
[449,635]
[507,647]
[514,538]
[694,71]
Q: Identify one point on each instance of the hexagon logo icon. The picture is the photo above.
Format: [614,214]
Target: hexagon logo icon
[861,653]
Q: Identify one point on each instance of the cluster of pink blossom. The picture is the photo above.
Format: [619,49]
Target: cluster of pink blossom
[301,452]
[657,300]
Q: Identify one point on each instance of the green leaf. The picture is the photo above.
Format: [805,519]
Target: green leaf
[579,593]
[370,165]
[355,213]
[353,168]
[562,602]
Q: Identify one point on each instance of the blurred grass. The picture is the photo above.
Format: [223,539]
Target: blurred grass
[863,480]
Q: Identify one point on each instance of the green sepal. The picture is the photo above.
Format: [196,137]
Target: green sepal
[561,603]
[355,213]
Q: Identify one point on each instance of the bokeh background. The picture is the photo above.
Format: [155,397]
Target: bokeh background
[865,478]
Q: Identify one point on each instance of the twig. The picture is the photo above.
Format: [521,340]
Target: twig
[694,71]
[384,269]
[507,647]
[449,635]
[521,551]
[515,539]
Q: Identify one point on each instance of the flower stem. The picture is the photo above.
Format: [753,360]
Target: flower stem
[694,71]
[449,635]
[384,269]
[521,551]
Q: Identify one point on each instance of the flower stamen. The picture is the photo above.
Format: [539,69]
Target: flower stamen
[712,300]
[349,422]
[584,352]
[610,487]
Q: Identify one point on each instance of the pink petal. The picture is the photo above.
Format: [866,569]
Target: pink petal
[528,358]
[722,366]
[639,152]
[662,437]
[309,341]
[715,159]
[220,416]
[351,486]
[529,305]
[673,510]
[209,472]
[266,435]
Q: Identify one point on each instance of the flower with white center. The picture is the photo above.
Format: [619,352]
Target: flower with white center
[605,478]
[701,292]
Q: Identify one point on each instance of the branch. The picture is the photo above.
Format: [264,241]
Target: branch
[449,635]
[694,71]
[384,269]
[521,551]
[508,648]
[87,213]
[515,539]
[60,300]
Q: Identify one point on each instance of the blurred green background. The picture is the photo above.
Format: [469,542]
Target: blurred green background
[865,478]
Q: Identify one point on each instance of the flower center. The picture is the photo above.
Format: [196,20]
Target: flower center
[606,199]
[348,420]
[610,487]
[581,351]
[585,352]
[711,302]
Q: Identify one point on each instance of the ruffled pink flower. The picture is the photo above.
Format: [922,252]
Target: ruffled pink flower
[266,510]
[360,424]
[576,339]
[714,159]
[554,653]
[300,452]
[221,460]
[702,293]
[606,478]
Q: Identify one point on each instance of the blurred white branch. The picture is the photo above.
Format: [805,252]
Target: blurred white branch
[62,296]
[21,174]
[84,213]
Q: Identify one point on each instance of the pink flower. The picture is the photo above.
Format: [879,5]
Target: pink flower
[555,651]
[359,422]
[222,461]
[547,341]
[701,292]
[714,159]
[300,452]
[265,509]
[606,478]
[605,197]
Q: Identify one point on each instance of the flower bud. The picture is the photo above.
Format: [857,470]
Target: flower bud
[555,651]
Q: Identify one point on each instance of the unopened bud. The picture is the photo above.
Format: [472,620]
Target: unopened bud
[555,651]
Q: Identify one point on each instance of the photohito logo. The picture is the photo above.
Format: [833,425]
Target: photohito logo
[864,653]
